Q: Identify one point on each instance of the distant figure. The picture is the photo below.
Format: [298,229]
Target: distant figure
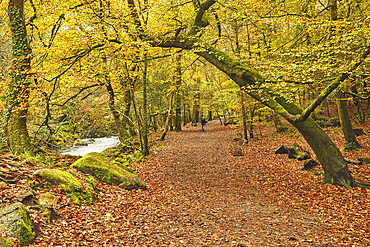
[203,122]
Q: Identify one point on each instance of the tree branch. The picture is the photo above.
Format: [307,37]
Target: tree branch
[329,89]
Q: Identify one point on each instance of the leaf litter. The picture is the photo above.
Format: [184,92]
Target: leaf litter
[200,195]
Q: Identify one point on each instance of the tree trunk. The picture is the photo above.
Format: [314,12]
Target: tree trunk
[196,108]
[169,118]
[122,134]
[251,125]
[18,137]
[145,126]
[210,117]
[329,156]
[345,122]
[244,115]
[178,94]
[138,120]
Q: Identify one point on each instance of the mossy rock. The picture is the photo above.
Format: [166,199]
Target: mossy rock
[99,167]
[122,164]
[60,164]
[15,217]
[35,162]
[78,192]
[6,242]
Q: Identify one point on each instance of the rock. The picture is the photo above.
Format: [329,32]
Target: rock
[109,217]
[3,185]
[359,132]
[60,164]
[364,160]
[48,213]
[16,219]
[281,150]
[79,143]
[6,242]
[295,152]
[99,167]
[58,178]
[26,197]
[69,185]
[47,199]
[35,162]
[309,164]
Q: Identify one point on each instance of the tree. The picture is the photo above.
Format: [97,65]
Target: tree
[19,140]
[178,94]
[332,161]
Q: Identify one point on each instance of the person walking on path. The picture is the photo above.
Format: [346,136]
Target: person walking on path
[203,123]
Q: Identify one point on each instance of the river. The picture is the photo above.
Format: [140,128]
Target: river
[93,145]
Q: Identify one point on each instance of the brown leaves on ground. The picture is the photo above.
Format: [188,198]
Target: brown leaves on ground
[200,195]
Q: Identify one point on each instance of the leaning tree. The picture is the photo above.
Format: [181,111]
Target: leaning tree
[254,84]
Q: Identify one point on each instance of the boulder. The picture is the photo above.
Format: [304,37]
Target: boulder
[294,152]
[6,242]
[35,162]
[309,164]
[26,197]
[99,167]
[48,213]
[17,223]
[69,185]
[3,185]
[65,181]
[47,199]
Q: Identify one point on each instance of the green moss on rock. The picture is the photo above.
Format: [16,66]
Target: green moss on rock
[58,178]
[78,192]
[99,167]
[6,242]
[18,223]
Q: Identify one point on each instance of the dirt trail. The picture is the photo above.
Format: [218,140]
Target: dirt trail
[198,195]
[215,197]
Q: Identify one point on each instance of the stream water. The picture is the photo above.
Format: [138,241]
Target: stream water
[92,145]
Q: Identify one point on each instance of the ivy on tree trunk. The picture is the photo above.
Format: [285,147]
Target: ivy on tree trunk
[19,140]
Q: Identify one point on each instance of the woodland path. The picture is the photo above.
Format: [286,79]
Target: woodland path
[198,195]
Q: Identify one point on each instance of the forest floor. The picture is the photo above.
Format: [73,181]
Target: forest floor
[201,195]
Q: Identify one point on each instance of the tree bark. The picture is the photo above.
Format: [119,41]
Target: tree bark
[169,117]
[329,156]
[196,108]
[178,94]
[244,115]
[345,122]
[145,126]
[122,134]
[18,137]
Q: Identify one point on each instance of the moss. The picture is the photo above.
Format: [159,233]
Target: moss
[79,192]
[117,174]
[64,180]
[6,242]
[121,163]
[26,235]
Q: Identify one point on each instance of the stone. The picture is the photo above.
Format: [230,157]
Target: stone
[48,213]
[47,199]
[6,242]
[99,167]
[17,222]
[309,164]
[3,185]
[294,152]
[35,162]
[69,185]
[58,178]
[26,197]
